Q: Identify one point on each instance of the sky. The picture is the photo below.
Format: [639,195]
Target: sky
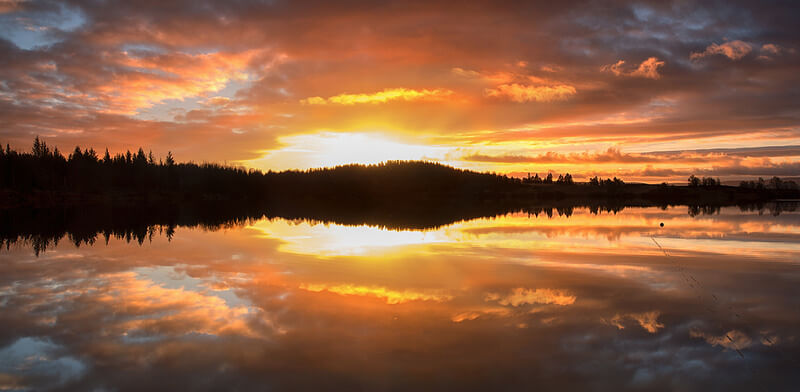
[647,91]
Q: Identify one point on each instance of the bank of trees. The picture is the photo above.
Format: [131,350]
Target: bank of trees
[773,183]
[608,182]
[695,181]
[85,171]
[565,179]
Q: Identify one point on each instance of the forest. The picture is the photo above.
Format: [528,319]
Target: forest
[45,177]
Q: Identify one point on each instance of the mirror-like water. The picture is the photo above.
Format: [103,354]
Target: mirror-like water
[579,301]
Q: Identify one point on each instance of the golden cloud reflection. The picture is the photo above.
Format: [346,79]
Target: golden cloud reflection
[647,320]
[277,297]
[522,296]
[156,310]
[392,297]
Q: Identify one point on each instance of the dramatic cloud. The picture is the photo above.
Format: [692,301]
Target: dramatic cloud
[154,79]
[733,50]
[227,82]
[523,93]
[647,69]
[393,94]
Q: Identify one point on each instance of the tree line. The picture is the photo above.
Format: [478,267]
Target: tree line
[383,185]
[83,171]
[565,179]
[773,183]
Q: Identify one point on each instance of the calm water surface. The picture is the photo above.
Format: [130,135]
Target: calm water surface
[580,302]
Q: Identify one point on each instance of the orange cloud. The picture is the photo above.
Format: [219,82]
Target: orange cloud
[7,6]
[526,93]
[615,68]
[733,50]
[393,94]
[771,48]
[647,69]
[734,339]
[154,79]
[514,86]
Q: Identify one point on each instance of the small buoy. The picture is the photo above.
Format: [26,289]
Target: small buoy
[662,224]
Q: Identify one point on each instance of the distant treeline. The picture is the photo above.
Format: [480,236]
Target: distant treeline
[566,179]
[772,183]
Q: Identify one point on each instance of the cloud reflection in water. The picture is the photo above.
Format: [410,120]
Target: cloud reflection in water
[576,302]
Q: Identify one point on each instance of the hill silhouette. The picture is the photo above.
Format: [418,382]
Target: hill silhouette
[45,177]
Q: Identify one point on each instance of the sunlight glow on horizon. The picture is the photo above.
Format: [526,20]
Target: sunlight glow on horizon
[328,149]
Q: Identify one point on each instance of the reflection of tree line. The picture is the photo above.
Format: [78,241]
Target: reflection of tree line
[772,208]
[43,228]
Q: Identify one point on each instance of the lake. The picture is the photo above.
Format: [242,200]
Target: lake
[562,300]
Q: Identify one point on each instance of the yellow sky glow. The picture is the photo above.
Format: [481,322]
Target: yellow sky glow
[331,149]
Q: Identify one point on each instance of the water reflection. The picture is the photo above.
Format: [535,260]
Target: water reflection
[570,301]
